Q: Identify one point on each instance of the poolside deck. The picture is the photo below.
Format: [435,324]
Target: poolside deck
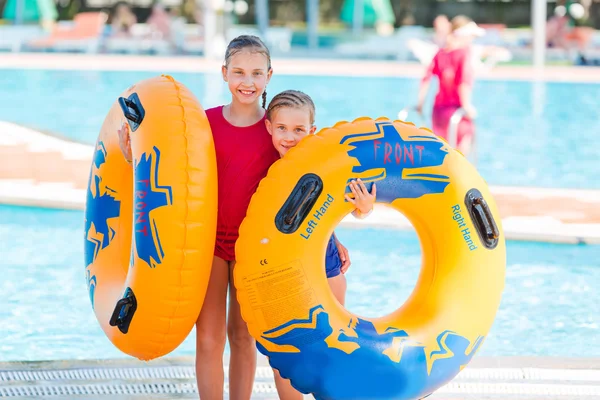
[284,66]
[41,170]
[173,378]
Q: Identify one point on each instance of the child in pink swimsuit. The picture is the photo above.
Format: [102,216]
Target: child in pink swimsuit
[454,70]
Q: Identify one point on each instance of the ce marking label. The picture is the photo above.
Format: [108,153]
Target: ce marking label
[264,262]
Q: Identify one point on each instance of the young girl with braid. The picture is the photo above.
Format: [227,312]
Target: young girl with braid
[290,117]
[244,155]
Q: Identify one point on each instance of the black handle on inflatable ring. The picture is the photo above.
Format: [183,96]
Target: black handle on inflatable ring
[299,203]
[482,218]
[124,310]
[133,110]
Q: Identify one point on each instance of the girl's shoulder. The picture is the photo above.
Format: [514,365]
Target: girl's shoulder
[214,112]
[216,119]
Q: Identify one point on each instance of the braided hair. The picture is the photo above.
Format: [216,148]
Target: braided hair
[291,99]
[253,43]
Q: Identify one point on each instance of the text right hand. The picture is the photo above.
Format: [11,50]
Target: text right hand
[125,142]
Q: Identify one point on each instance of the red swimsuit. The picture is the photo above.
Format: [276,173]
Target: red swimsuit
[244,155]
[453,68]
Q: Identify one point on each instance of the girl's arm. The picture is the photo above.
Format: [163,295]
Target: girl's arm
[464,93]
[360,215]
[344,255]
[465,87]
[363,201]
[423,89]
[425,82]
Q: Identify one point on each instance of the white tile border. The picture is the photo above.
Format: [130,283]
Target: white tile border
[105,377]
[284,66]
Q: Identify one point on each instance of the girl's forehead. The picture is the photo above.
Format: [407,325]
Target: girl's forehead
[291,114]
[248,59]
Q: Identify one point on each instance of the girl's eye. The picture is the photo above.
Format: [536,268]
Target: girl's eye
[299,130]
[281,128]
[238,72]
[258,73]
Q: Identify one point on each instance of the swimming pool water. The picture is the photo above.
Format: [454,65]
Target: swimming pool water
[537,134]
[549,307]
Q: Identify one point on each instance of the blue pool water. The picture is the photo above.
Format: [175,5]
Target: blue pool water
[549,307]
[539,134]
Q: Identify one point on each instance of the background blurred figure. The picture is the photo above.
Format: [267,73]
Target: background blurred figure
[122,20]
[43,12]
[453,67]
[159,21]
[192,12]
[565,29]
[557,28]
[441,29]
[483,57]
[376,13]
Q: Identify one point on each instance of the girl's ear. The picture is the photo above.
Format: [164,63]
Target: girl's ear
[269,74]
[269,127]
[224,72]
[312,130]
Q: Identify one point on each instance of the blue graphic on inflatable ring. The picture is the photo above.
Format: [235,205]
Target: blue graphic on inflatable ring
[386,149]
[383,366]
[149,196]
[91,282]
[101,206]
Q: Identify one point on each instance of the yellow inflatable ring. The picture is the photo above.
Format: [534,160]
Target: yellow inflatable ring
[280,275]
[150,227]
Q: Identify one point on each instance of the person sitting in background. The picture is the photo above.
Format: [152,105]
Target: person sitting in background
[192,12]
[159,22]
[566,30]
[122,20]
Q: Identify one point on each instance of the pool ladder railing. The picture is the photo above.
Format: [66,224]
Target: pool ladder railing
[455,119]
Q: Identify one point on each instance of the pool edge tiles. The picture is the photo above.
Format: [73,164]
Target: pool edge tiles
[283,65]
[485,377]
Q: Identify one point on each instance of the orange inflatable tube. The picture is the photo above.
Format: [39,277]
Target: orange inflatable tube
[150,225]
[308,336]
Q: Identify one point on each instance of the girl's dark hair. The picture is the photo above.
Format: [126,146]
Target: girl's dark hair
[253,43]
[291,98]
